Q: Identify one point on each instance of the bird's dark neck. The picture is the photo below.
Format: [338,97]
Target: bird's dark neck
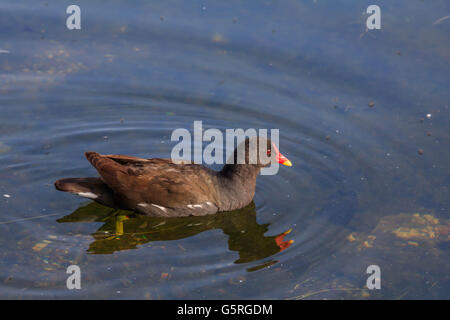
[237,185]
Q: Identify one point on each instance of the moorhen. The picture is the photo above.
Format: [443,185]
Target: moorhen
[161,187]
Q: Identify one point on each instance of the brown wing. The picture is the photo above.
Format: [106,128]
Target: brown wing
[156,181]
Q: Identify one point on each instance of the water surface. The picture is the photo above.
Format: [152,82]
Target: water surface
[369,184]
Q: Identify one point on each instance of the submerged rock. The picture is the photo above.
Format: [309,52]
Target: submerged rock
[414,227]
[404,228]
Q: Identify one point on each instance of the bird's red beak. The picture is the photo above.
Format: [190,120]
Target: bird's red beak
[280,158]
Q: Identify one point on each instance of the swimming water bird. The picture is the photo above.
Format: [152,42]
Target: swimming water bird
[161,187]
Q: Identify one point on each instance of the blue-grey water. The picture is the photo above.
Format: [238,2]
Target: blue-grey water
[363,116]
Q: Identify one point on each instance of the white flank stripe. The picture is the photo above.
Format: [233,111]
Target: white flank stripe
[159,207]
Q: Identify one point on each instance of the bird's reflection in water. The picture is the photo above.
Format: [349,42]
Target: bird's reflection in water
[123,230]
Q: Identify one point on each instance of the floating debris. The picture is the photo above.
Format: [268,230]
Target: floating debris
[429,115]
[421,233]
[420,152]
[367,244]
[218,38]
[164,275]
[4,148]
[438,21]
[238,280]
[4,51]
[41,245]
[420,226]
[371,104]
[7,195]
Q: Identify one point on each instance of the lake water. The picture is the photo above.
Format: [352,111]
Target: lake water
[363,116]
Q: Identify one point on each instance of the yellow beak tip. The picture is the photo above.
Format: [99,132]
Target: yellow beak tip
[287,163]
